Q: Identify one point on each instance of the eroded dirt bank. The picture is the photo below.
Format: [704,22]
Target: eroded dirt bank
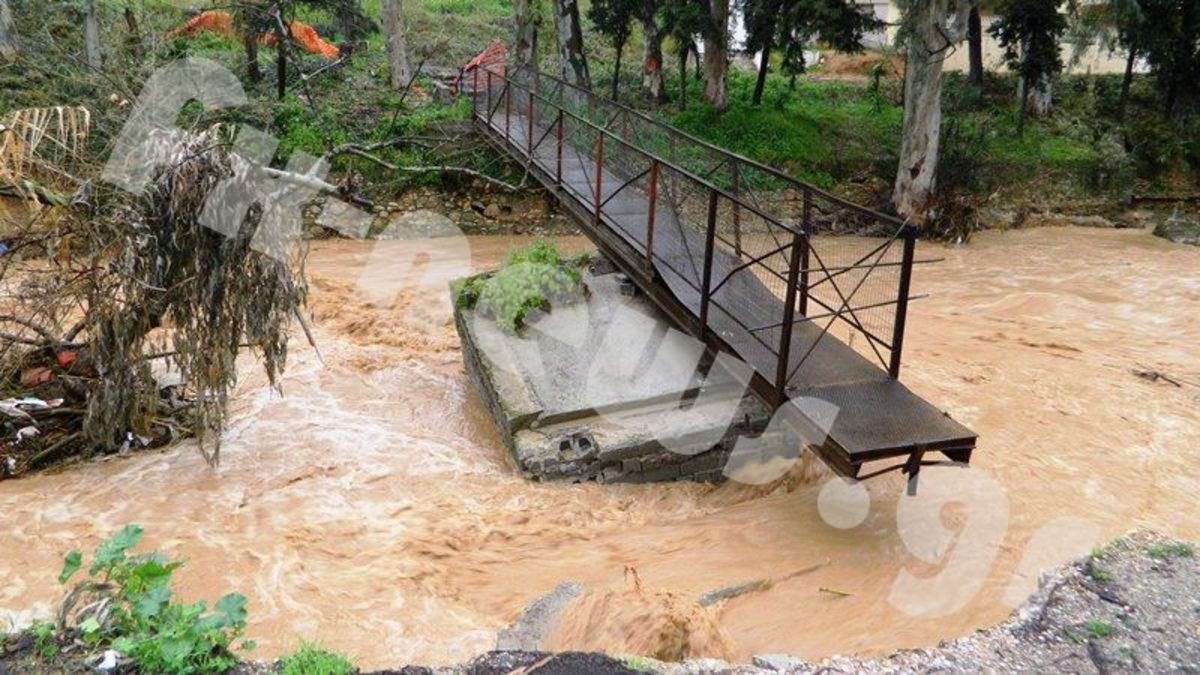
[372,509]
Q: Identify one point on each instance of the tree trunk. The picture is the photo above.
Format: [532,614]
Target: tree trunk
[91,35]
[652,56]
[928,42]
[716,56]
[8,33]
[616,78]
[250,46]
[1126,83]
[134,40]
[281,38]
[975,47]
[392,16]
[572,61]
[763,68]
[347,20]
[524,48]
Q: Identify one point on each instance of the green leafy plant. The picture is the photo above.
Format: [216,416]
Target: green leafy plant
[128,605]
[311,659]
[532,278]
[43,640]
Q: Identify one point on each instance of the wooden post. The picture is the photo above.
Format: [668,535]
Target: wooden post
[653,190]
[910,245]
[710,236]
[799,252]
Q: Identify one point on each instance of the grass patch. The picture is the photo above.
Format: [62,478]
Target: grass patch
[311,659]
[1171,550]
[1098,629]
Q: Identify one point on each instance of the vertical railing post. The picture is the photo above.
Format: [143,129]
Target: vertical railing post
[558,168]
[507,107]
[650,215]
[807,243]
[799,249]
[488,113]
[710,238]
[737,211]
[599,173]
[906,267]
[530,143]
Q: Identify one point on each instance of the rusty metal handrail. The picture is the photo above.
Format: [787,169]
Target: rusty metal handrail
[728,154]
[798,250]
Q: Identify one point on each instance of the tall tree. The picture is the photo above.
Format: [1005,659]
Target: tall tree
[682,21]
[614,20]
[91,35]
[572,61]
[975,47]
[931,29]
[392,14]
[652,55]
[1172,48]
[526,34]
[793,24]
[716,55]
[1030,33]
[251,20]
[8,33]
[761,21]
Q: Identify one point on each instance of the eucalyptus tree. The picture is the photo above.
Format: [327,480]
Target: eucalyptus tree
[793,24]
[572,61]
[652,55]
[614,20]
[683,21]
[1030,34]
[931,28]
[391,12]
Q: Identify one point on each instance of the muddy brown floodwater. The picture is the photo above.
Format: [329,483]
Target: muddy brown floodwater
[372,508]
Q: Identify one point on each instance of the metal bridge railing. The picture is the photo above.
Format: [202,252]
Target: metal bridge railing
[734,227]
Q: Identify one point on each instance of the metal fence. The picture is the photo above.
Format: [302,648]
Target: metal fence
[760,259]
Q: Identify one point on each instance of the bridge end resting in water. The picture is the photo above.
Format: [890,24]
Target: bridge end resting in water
[748,260]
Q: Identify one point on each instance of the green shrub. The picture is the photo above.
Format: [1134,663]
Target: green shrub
[532,278]
[313,660]
[143,620]
[1171,550]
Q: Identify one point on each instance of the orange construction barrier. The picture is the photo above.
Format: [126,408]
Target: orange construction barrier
[220,24]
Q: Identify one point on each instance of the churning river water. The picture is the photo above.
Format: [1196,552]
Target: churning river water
[372,508]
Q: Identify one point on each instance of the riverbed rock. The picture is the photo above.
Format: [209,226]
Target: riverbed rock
[1180,229]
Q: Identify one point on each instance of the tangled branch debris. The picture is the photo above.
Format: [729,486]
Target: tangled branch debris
[123,315]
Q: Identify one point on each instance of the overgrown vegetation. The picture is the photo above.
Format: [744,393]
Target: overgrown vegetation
[127,604]
[311,659]
[533,278]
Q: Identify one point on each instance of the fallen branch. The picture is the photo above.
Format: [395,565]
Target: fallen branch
[462,170]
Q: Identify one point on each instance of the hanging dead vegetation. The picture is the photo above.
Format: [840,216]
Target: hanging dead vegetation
[122,316]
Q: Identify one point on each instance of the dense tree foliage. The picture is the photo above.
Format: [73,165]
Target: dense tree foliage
[614,19]
[1030,33]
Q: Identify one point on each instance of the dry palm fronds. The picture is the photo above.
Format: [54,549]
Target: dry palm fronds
[24,132]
